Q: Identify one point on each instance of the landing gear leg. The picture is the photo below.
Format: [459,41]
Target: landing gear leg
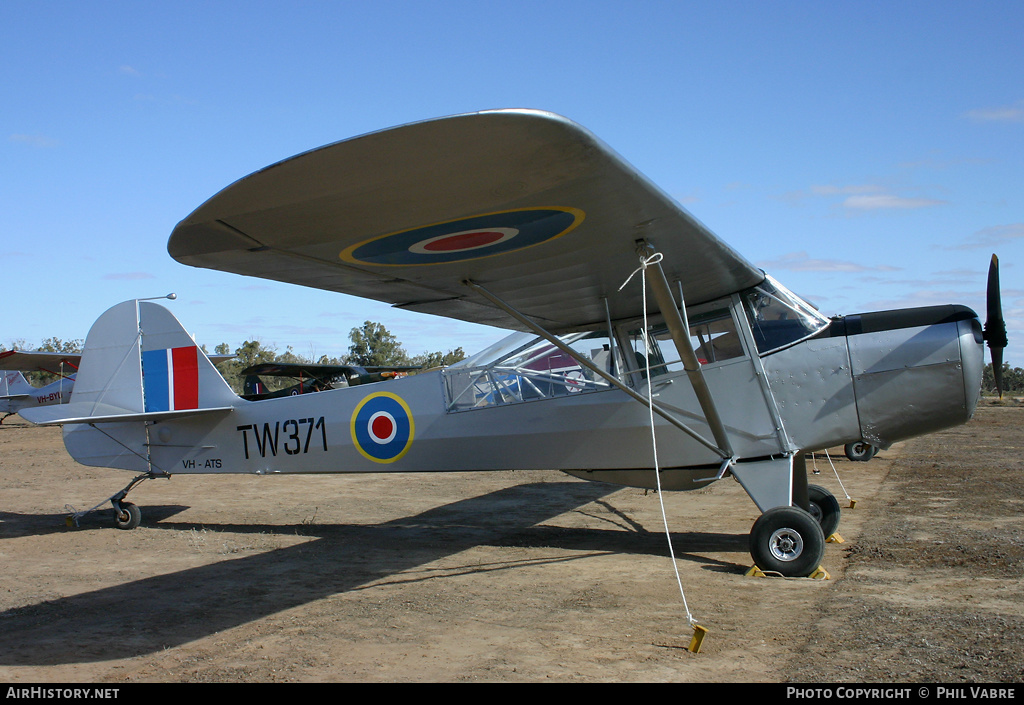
[127,515]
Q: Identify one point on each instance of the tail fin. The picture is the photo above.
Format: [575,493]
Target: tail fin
[14,384]
[253,385]
[139,364]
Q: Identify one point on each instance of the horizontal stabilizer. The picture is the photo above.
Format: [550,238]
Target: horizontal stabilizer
[99,413]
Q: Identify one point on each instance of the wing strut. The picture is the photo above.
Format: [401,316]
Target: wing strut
[680,332]
[536,328]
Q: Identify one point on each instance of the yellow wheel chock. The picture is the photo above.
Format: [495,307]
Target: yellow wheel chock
[755,572]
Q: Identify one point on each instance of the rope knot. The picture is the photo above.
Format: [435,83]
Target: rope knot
[644,262]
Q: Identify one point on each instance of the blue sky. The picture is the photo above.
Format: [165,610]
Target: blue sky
[869,155]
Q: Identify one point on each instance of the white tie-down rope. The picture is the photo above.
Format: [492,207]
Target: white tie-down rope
[814,462]
[644,262]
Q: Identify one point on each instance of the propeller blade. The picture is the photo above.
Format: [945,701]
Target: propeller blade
[995,326]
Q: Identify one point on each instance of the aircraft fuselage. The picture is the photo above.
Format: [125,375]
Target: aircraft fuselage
[878,377]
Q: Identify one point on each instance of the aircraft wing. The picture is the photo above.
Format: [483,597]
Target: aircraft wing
[525,203]
[288,369]
[299,369]
[32,360]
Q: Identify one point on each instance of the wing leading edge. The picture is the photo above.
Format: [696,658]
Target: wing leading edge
[526,203]
[32,360]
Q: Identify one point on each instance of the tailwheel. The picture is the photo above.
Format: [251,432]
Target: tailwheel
[788,541]
[860,451]
[127,515]
[824,508]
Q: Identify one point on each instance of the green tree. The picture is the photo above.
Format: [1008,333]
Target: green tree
[1013,379]
[289,356]
[373,345]
[249,353]
[61,346]
[438,359]
[253,352]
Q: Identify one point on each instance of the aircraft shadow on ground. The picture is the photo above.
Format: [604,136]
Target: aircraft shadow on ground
[16,525]
[152,614]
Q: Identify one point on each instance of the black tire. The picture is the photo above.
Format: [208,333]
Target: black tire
[825,509]
[788,541]
[129,517]
[860,451]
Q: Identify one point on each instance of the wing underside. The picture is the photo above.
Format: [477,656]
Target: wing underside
[32,360]
[527,204]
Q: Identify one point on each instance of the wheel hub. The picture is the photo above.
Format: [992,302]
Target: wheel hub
[786,544]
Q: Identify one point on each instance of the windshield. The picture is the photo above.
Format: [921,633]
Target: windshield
[778,317]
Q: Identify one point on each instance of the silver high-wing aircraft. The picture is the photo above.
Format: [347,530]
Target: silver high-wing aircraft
[525,220]
[17,393]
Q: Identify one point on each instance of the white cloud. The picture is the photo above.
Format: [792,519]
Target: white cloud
[862,197]
[128,276]
[880,201]
[993,236]
[801,262]
[1005,113]
[830,190]
[33,140]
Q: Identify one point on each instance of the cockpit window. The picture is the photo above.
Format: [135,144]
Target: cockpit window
[778,317]
[526,368]
[712,335]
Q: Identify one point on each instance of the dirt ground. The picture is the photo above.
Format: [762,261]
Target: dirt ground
[507,577]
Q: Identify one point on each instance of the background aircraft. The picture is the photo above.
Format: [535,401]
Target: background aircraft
[16,393]
[312,378]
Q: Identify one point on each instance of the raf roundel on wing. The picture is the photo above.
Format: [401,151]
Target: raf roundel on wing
[466,238]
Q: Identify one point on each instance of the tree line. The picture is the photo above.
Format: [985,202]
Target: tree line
[1013,379]
[371,345]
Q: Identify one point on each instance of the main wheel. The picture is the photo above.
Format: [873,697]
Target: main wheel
[128,517]
[860,451]
[824,508]
[787,540]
